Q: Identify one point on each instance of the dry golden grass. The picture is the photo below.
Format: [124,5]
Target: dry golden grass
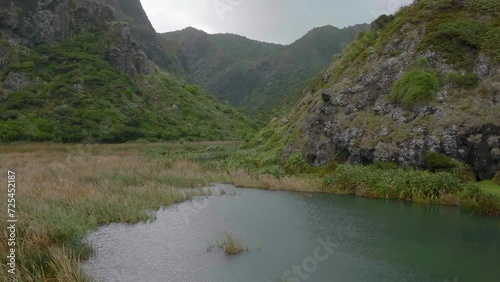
[64,191]
[240,178]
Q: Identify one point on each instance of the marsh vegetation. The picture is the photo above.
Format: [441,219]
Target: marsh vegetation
[229,243]
[67,190]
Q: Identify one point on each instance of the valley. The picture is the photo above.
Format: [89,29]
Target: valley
[383,136]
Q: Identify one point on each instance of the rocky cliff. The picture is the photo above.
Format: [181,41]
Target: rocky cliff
[424,80]
[31,23]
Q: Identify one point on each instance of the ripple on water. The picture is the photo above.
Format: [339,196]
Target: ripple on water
[371,240]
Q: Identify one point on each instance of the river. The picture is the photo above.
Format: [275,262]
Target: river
[299,237]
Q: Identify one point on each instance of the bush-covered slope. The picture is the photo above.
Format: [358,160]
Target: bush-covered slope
[254,75]
[95,84]
[423,80]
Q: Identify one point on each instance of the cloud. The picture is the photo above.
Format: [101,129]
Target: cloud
[280,21]
[168,15]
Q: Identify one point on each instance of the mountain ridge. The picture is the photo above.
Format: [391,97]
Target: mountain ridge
[215,62]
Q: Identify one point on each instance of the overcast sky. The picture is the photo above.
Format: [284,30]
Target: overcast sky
[278,21]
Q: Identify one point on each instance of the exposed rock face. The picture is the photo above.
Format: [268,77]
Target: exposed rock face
[329,138]
[142,31]
[34,22]
[15,81]
[47,21]
[123,52]
[354,121]
[480,147]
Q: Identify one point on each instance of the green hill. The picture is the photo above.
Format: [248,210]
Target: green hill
[80,82]
[253,75]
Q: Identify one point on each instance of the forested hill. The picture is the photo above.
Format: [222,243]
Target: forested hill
[95,71]
[253,75]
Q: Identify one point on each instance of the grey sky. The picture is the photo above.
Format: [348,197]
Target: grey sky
[279,21]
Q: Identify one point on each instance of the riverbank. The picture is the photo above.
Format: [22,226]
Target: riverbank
[446,182]
[65,191]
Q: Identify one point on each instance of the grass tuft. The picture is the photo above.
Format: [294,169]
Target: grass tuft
[415,86]
[491,7]
[295,164]
[437,162]
[476,201]
[398,183]
[496,179]
[490,43]
[467,80]
[230,244]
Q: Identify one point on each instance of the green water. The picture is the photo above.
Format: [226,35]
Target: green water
[361,240]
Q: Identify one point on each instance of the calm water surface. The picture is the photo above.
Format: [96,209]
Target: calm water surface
[317,237]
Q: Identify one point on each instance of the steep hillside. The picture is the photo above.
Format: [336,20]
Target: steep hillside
[73,71]
[254,75]
[36,22]
[424,80]
[223,64]
[165,54]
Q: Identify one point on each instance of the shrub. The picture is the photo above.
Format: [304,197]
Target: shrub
[325,170]
[385,165]
[436,161]
[468,80]
[491,7]
[43,48]
[496,179]
[295,164]
[468,31]
[465,172]
[328,182]
[490,43]
[382,21]
[360,45]
[415,86]
[421,63]
[478,202]
[275,171]
[395,183]
[457,40]
[441,163]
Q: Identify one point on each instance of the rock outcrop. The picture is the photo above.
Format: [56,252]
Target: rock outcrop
[123,52]
[31,23]
[353,119]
